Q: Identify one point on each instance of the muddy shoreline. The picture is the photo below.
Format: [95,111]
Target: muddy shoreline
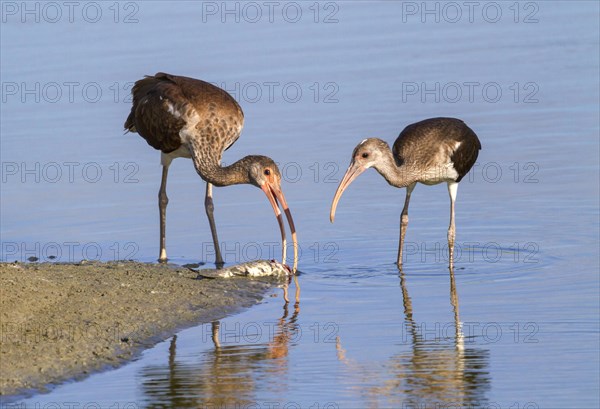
[64,321]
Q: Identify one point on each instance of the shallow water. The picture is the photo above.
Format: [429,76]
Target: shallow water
[525,298]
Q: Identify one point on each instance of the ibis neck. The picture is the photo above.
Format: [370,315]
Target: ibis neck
[398,176]
[209,168]
[233,174]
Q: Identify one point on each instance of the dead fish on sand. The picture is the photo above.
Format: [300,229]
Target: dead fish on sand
[259,268]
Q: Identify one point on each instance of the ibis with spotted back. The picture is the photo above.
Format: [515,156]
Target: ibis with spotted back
[190,118]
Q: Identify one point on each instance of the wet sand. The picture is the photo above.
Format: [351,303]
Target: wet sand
[64,321]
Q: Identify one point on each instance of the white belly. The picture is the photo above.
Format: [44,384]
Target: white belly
[439,174]
[181,152]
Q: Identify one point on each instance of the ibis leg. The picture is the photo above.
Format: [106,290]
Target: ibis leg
[452,189]
[210,208]
[404,223]
[215,326]
[163,200]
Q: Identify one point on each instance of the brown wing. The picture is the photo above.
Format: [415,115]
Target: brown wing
[163,103]
[433,141]
[211,102]
[150,116]
[465,156]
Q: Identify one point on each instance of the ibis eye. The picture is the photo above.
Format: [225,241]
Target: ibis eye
[365,155]
[267,172]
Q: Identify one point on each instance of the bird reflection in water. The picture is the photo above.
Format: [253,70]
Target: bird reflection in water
[286,287]
[433,373]
[228,374]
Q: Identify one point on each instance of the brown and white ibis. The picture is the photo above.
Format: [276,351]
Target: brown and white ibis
[190,118]
[431,151]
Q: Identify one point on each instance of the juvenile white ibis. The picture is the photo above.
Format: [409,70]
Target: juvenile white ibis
[431,151]
[189,118]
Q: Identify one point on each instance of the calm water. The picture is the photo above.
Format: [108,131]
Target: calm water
[516,327]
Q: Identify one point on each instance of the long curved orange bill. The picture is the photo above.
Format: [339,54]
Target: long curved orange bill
[352,173]
[275,194]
